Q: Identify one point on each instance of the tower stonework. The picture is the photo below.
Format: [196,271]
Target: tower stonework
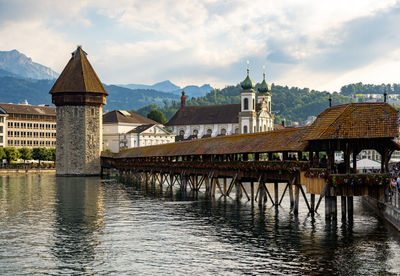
[79,97]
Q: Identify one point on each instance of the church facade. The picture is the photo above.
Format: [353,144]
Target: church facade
[253,114]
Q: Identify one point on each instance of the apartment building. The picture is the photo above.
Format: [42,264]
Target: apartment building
[28,125]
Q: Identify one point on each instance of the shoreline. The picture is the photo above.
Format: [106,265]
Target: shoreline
[26,171]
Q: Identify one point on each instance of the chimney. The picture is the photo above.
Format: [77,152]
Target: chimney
[183,99]
[283,123]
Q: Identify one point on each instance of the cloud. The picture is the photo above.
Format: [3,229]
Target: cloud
[302,42]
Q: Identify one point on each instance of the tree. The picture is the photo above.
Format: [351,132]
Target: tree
[12,154]
[157,116]
[52,154]
[25,153]
[40,154]
[2,154]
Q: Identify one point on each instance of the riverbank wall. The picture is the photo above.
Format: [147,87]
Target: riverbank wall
[385,210]
[26,171]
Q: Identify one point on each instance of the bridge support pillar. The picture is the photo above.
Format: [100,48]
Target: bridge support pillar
[224,186]
[343,207]
[296,199]
[312,202]
[276,195]
[252,191]
[261,193]
[291,195]
[350,208]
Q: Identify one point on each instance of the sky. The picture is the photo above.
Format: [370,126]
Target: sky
[305,43]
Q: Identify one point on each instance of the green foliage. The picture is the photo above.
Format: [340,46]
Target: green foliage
[157,116]
[2,153]
[25,154]
[52,154]
[41,154]
[12,154]
[360,88]
[290,104]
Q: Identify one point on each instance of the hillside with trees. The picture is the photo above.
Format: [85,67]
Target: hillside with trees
[360,88]
[291,104]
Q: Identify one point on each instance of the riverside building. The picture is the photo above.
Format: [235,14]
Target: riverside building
[30,126]
[124,129]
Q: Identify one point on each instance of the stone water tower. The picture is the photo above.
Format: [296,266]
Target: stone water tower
[79,97]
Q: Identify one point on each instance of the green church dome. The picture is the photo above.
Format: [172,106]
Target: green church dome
[247,84]
[264,87]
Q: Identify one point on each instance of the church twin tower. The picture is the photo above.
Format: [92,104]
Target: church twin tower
[255,116]
[79,97]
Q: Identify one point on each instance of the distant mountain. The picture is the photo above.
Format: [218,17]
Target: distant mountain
[4,73]
[195,91]
[164,86]
[168,86]
[17,90]
[23,66]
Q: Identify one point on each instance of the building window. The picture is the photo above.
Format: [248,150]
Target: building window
[1,139]
[246,104]
[209,131]
[195,132]
[223,131]
[245,129]
[181,132]
[254,105]
[236,130]
[1,119]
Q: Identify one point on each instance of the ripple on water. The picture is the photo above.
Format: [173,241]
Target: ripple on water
[81,226]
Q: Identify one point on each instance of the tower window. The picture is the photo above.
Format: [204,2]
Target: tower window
[246,104]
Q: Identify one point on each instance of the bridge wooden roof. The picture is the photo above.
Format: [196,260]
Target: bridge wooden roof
[355,121]
[272,141]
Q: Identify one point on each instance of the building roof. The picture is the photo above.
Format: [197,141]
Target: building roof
[207,114]
[141,128]
[78,76]
[28,109]
[272,141]
[125,116]
[355,120]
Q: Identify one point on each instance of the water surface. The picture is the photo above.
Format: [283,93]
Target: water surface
[82,226]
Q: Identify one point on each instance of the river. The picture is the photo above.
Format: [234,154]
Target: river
[83,226]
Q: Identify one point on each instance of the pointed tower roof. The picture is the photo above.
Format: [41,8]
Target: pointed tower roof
[247,84]
[264,87]
[78,76]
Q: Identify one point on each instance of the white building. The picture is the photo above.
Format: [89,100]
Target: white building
[253,114]
[125,129]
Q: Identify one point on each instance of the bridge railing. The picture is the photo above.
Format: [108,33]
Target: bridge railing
[357,179]
[394,197]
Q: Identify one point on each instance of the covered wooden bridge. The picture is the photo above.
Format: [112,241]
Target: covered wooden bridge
[222,165]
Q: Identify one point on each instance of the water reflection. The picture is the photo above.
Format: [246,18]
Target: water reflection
[78,224]
[279,242]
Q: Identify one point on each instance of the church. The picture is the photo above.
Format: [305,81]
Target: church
[253,114]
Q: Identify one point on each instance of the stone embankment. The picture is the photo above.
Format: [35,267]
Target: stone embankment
[389,210]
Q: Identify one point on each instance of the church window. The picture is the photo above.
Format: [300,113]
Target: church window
[246,104]
[245,129]
[265,127]
[92,111]
[223,131]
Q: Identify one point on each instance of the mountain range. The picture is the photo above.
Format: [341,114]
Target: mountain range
[168,86]
[22,80]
